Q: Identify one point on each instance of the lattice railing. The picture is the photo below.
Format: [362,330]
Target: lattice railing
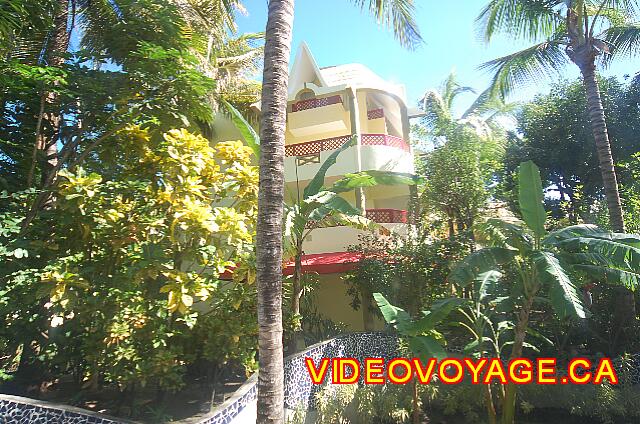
[384,140]
[381,216]
[316,146]
[375,114]
[387,216]
[316,102]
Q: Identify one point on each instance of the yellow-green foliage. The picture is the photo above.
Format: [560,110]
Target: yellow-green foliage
[132,279]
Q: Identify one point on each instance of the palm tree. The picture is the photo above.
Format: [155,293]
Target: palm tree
[397,14]
[578,31]
[481,116]
[460,151]
[277,49]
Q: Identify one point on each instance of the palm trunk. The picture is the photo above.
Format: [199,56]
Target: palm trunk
[625,311]
[603,147]
[270,408]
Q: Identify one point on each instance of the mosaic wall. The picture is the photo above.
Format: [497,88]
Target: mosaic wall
[299,391]
[14,409]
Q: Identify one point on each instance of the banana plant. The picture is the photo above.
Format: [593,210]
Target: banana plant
[420,334]
[323,206]
[548,266]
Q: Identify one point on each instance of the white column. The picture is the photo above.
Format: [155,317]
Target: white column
[354,112]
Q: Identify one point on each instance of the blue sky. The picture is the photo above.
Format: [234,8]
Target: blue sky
[339,33]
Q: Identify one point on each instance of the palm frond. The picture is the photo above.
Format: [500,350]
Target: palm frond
[438,104]
[397,15]
[623,41]
[626,8]
[528,19]
[525,67]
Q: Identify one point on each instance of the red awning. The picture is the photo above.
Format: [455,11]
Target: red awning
[321,263]
[325,263]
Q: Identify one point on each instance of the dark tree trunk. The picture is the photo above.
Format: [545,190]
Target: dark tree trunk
[583,55]
[603,147]
[57,46]
[270,211]
[625,311]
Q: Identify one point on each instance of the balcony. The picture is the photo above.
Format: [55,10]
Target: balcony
[384,140]
[387,216]
[317,146]
[340,238]
[317,116]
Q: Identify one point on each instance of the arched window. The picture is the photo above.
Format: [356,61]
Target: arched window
[306,94]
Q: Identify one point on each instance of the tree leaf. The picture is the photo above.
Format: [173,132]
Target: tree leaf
[370,179]
[425,347]
[393,315]
[439,311]
[316,184]
[623,277]
[619,255]
[327,202]
[562,292]
[478,262]
[485,283]
[248,133]
[530,197]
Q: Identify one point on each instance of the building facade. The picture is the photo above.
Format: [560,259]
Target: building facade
[326,108]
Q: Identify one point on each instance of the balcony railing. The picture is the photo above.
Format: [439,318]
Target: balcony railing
[384,140]
[387,216]
[317,146]
[316,102]
[381,216]
[375,114]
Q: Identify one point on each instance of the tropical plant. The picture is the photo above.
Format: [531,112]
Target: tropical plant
[322,206]
[481,117]
[420,334]
[577,30]
[411,270]
[556,135]
[277,48]
[462,155]
[545,266]
[111,298]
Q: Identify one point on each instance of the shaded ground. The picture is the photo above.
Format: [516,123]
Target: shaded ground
[144,405]
[540,416]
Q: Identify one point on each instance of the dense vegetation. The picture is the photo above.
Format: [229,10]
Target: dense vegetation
[120,207]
